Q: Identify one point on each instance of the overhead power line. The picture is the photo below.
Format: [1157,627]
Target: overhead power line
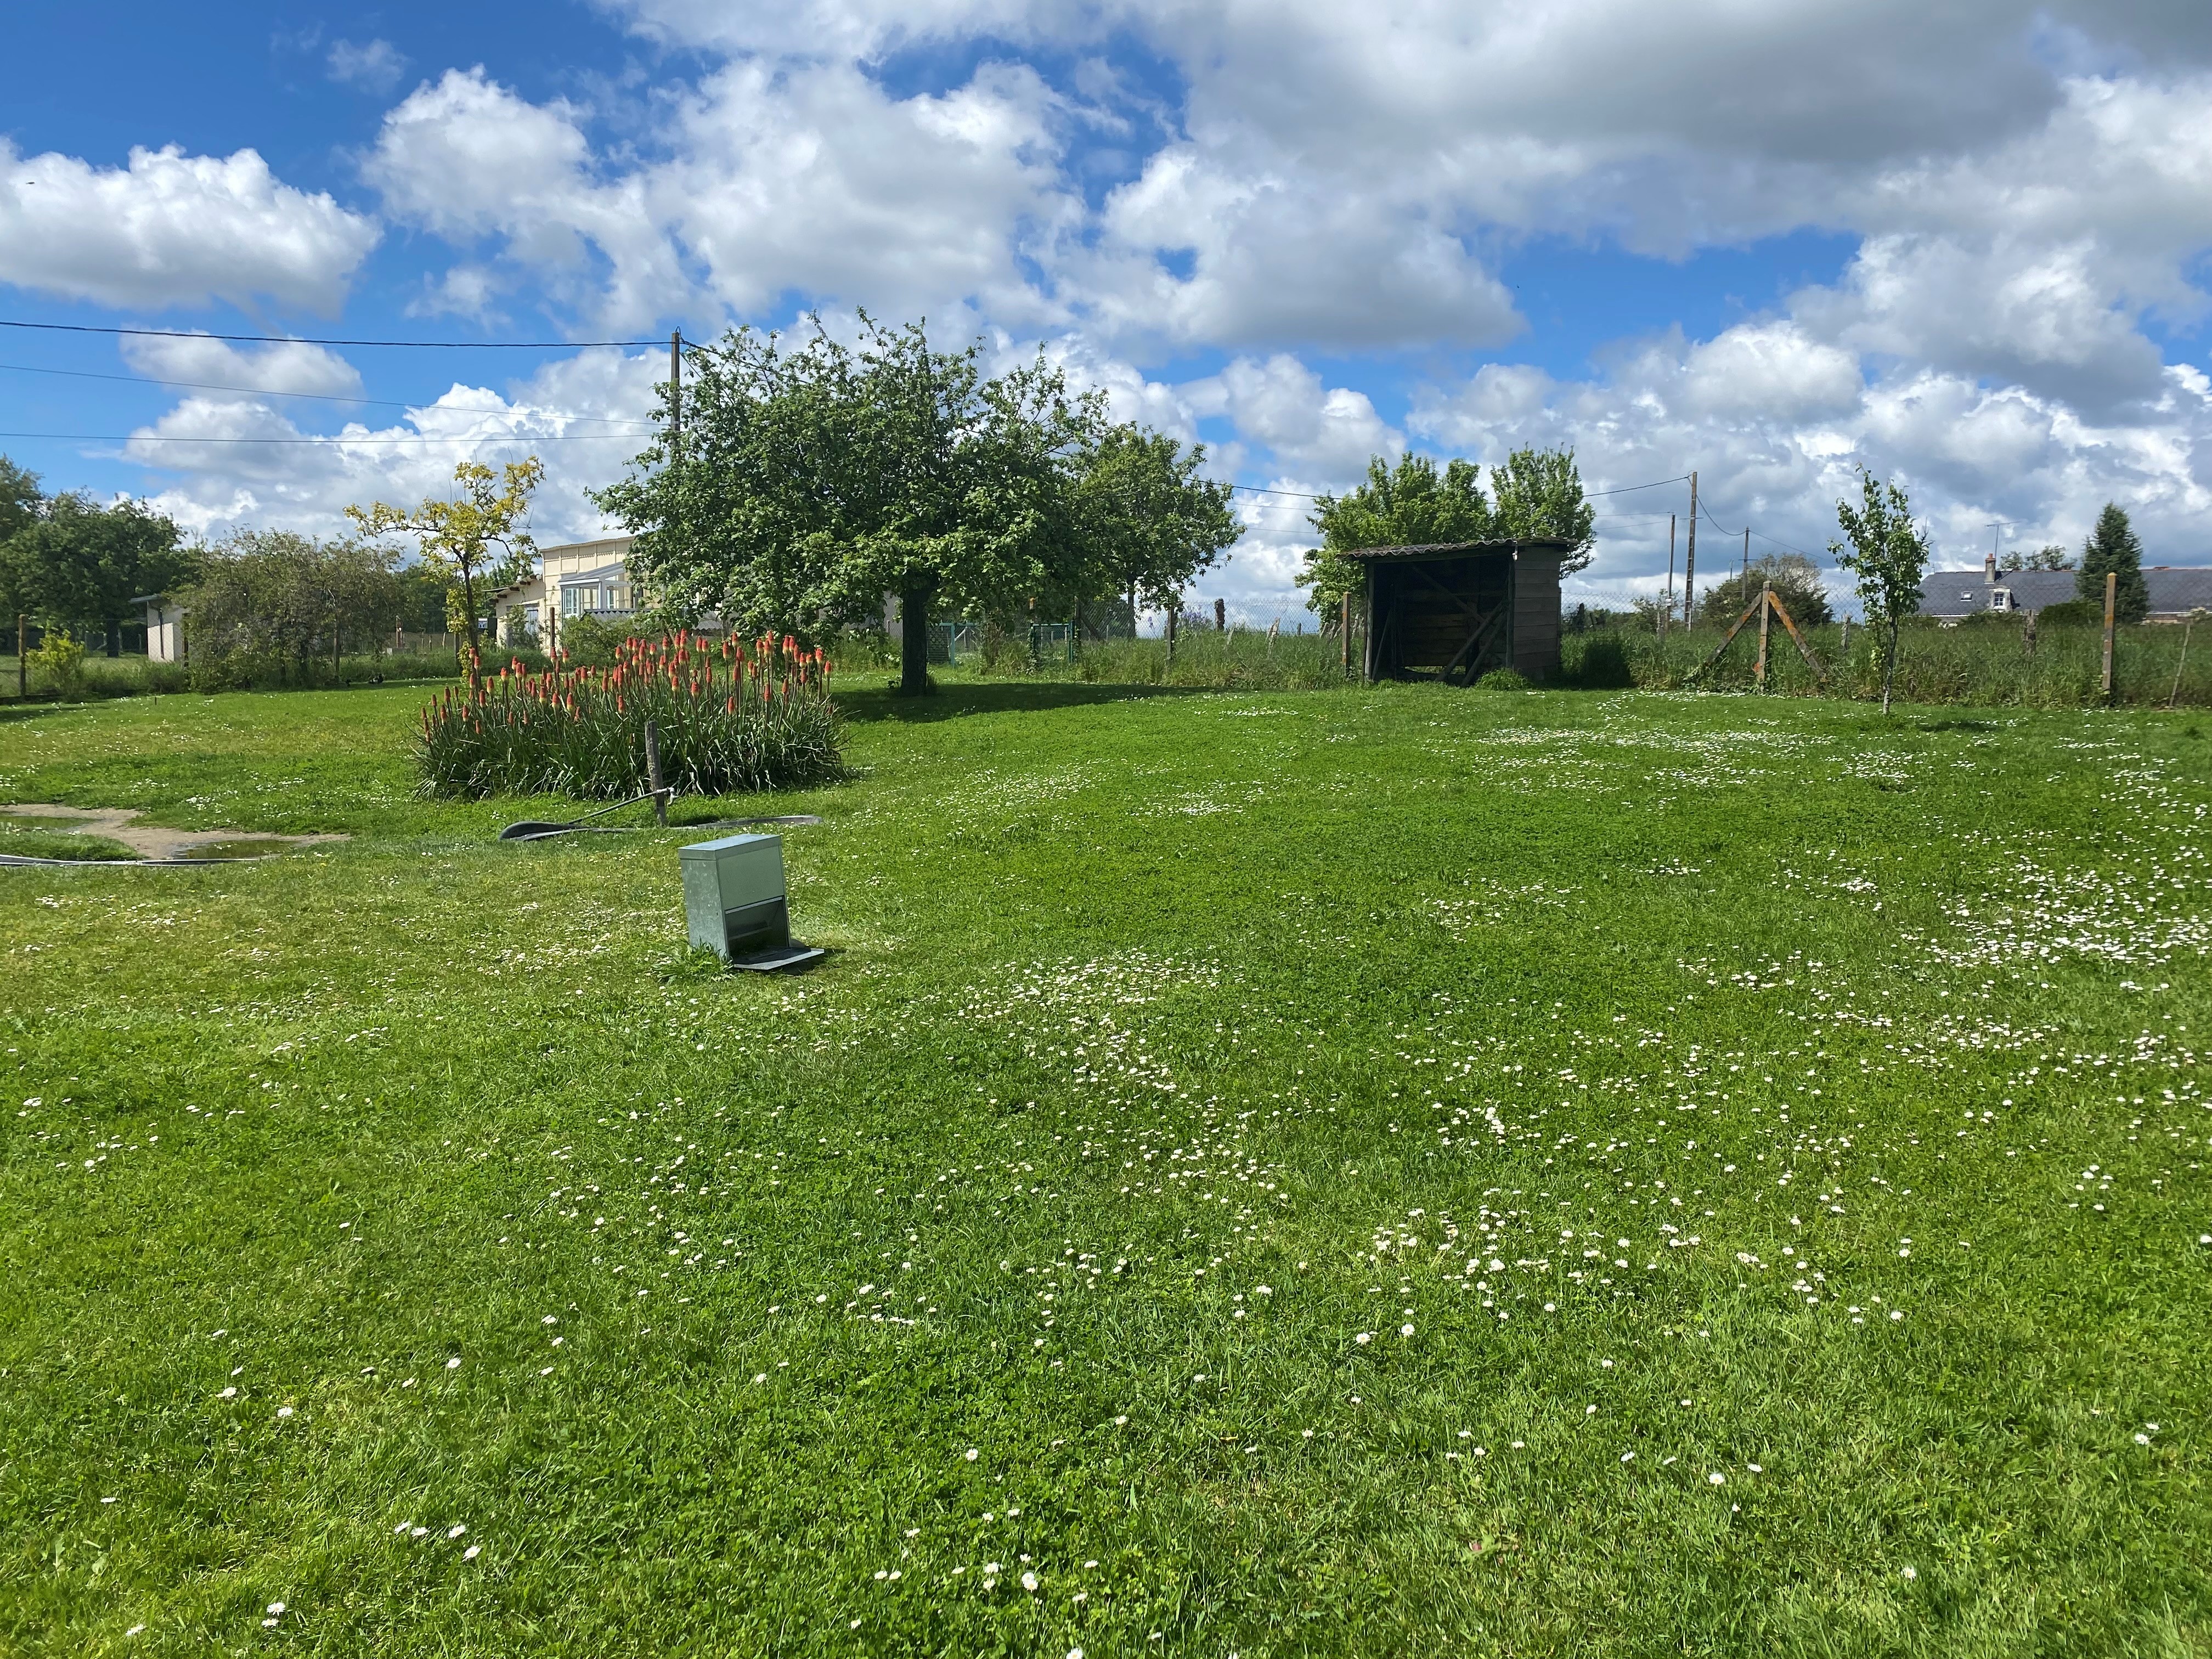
[294,339]
[1705,512]
[1625,488]
[343,443]
[332,397]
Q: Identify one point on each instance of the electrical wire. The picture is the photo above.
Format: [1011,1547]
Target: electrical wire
[294,339]
[341,443]
[1705,512]
[1626,489]
[331,397]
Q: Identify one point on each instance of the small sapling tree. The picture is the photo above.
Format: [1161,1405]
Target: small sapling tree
[1888,556]
[468,540]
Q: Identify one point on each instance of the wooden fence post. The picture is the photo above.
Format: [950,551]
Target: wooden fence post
[1347,630]
[1765,622]
[22,659]
[652,772]
[2112,598]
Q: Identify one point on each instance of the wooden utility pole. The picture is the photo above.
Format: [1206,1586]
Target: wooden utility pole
[1747,558]
[2112,601]
[1690,562]
[1766,618]
[1666,611]
[676,391]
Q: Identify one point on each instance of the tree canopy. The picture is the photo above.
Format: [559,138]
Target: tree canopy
[1797,582]
[810,481]
[477,539]
[273,601]
[70,562]
[1538,493]
[2112,547]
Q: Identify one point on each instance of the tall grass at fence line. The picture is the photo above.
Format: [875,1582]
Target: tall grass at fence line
[1985,665]
[1239,660]
[729,716]
[137,676]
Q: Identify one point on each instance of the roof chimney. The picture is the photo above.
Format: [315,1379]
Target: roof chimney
[1990,566]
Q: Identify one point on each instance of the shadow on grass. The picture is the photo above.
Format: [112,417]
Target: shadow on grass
[1025,696]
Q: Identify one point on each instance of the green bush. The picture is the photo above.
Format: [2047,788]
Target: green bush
[59,661]
[2070,613]
[1503,679]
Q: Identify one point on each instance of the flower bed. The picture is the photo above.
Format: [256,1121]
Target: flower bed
[731,716]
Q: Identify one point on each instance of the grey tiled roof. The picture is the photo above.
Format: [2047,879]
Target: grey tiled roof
[2175,590]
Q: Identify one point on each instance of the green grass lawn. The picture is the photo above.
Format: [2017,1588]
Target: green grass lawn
[1392,1172]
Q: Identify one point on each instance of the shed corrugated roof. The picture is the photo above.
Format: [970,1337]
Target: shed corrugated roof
[1456,549]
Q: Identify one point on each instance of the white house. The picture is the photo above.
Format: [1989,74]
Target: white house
[577,579]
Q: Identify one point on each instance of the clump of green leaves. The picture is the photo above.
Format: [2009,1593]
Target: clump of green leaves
[1796,581]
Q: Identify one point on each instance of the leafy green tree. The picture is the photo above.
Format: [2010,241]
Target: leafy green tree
[21,501]
[1797,582]
[1147,523]
[1539,493]
[1889,555]
[1412,504]
[275,603]
[2050,557]
[813,481]
[2112,547]
[78,565]
[477,539]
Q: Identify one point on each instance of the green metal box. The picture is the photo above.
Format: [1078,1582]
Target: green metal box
[733,894]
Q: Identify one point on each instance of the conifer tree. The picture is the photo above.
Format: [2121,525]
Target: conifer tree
[2112,546]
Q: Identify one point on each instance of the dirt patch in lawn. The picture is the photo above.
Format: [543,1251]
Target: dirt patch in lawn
[116,823]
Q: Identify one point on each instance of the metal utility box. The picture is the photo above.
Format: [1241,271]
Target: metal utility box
[733,896]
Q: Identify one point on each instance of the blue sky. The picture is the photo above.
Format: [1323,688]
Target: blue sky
[1966,246]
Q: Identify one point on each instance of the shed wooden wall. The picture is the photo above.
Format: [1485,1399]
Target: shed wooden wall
[1536,616]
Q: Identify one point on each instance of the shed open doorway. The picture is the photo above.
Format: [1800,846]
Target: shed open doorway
[1458,610]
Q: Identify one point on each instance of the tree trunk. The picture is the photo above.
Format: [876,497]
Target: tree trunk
[114,636]
[468,648]
[1889,665]
[914,640]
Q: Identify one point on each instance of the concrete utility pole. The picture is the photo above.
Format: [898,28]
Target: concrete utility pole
[1747,558]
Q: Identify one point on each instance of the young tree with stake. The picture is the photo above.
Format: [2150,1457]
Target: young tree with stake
[1889,555]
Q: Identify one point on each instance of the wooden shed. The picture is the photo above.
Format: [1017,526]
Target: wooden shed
[1461,608]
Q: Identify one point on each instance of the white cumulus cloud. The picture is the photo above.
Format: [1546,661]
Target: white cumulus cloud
[171,229]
